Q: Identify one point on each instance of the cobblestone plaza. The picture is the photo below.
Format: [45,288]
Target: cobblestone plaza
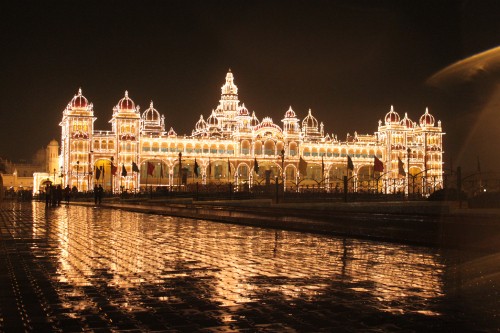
[77,268]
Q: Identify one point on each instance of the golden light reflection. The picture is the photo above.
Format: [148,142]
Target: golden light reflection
[140,256]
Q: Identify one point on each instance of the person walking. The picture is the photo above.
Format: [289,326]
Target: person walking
[100,192]
[59,194]
[67,194]
[47,195]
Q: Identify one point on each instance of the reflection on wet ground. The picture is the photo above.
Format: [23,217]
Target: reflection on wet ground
[77,268]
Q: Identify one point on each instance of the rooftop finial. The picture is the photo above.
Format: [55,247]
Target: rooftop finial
[79,91]
[126,93]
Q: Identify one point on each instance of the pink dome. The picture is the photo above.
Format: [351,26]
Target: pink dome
[243,111]
[126,103]
[407,122]
[79,101]
[427,119]
[392,117]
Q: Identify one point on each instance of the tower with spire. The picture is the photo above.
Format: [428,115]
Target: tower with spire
[228,105]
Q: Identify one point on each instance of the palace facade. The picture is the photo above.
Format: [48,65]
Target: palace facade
[232,145]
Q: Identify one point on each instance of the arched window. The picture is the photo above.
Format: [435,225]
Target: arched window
[245,147]
[279,147]
[292,149]
[164,147]
[257,148]
[269,148]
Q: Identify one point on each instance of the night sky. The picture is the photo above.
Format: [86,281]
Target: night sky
[348,61]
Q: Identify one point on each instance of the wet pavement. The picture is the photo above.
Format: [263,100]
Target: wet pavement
[75,268]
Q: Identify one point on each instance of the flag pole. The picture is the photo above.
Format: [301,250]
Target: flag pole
[147,176]
[159,178]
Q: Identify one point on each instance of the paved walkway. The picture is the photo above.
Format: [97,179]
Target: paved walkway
[75,268]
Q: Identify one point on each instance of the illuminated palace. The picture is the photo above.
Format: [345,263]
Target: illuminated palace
[232,145]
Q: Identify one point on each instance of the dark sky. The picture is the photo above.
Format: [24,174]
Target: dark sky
[346,60]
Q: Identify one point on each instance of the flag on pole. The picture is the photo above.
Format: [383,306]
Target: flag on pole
[322,166]
[102,170]
[195,167]
[401,168]
[114,168]
[135,168]
[124,171]
[151,168]
[228,167]
[180,164]
[97,173]
[302,166]
[161,170]
[377,164]
[350,165]
[255,165]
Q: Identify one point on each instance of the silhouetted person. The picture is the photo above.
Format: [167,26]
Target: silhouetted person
[59,194]
[48,193]
[100,192]
[53,195]
[67,194]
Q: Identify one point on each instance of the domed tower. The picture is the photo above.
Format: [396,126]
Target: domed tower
[151,121]
[310,127]
[77,127]
[125,126]
[243,119]
[213,125]
[392,135]
[201,127]
[52,157]
[431,137]
[407,123]
[291,125]
[228,105]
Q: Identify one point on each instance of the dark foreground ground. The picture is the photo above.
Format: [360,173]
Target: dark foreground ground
[84,268]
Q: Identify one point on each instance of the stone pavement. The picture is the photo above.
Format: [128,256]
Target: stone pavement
[74,268]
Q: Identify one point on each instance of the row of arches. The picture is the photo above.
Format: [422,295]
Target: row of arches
[156,172]
[258,148]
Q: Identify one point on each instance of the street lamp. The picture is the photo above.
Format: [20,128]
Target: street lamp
[54,176]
